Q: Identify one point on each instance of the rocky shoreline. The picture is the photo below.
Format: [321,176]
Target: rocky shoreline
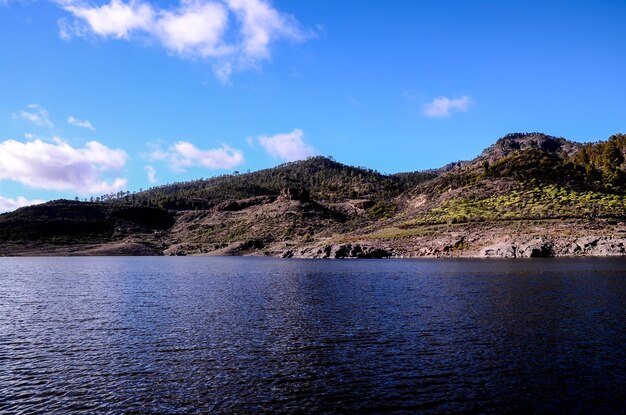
[535,239]
[533,248]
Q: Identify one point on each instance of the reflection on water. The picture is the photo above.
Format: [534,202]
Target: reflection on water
[233,335]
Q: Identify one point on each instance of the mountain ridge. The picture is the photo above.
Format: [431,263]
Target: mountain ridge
[319,207]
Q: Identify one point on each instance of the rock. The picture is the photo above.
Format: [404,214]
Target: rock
[326,251]
[574,249]
[290,193]
[357,251]
[361,203]
[252,244]
[587,242]
[341,251]
[609,247]
[376,253]
[536,248]
[597,246]
[503,250]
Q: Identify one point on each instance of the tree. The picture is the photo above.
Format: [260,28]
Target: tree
[612,158]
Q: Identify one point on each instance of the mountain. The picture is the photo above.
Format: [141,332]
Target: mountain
[529,194]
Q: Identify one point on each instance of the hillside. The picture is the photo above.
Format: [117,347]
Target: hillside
[529,194]
[323,179]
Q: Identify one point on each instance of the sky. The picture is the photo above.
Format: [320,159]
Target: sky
[103,96]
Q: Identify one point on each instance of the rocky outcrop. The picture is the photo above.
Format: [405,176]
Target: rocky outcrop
[533,248]
[536,248]
[597,246]
[502,250]
[340,251]
[529,141]
[290,193]
[539,247]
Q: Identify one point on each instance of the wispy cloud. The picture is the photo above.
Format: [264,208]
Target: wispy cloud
[182,155]
[151,173]
[261,24]
[59,166]
[443,106]
[80,123]
[193,29]
[36,114]
[8,204]
[115,19]
[288,147]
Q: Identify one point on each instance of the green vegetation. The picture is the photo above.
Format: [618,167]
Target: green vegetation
[323,178]
[64,221]
[383,210]
[546,202]
[528,176]
[530,182]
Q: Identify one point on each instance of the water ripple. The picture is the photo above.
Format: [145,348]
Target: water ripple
[254,335]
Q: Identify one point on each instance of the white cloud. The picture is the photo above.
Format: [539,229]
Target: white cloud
[80,123]
[151,173]
[193,29]
[183,154]
[59,166]
[260,24]
[289,146]
[196,29]
[443,106]
[36,114]
[8,204]
[116,19]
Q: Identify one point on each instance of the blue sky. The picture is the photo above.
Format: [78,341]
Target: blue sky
[112,95]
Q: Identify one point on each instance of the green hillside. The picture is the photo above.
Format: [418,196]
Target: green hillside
[522,177]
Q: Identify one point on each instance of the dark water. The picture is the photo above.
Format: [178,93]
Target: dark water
[250,335]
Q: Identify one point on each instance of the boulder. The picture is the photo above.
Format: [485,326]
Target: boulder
[536,248]
[609,247]
[586,242]
[502,250]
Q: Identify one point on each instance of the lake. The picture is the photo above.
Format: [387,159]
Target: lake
[261,335]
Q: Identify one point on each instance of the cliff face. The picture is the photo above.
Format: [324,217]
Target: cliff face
[527,195]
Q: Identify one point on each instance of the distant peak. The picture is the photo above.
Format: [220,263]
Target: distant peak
[529,141]
[526,136]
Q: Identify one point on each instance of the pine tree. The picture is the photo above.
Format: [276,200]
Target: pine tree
[612,158]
